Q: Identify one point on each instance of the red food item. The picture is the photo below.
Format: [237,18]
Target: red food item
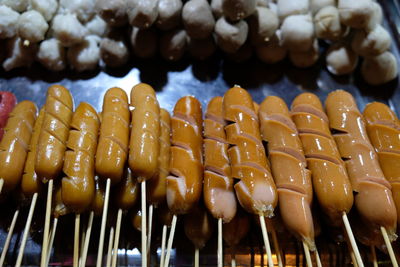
[7,103]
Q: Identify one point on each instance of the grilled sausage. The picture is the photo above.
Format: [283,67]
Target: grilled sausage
[288,164]
[383,128]
[15,143]
[157,185]
[165,215]
[374,199]
[30,184]
[54,133]
[112,148]
[144,146]
[78,188]
[59,209]
[126,192]
[198,226]
[256,190]
[330,181]
[99,196]
[184,182]
[218,192]
[236,229]
[7,103]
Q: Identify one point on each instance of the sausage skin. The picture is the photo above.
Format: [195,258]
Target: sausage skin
[7,103]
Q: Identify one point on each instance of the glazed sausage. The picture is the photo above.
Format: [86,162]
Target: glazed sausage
[374,199]
[157,185]
[54,133]
[15,143]
[136,218]
[198,226]
[256,190]
[144,146]
[78,187]
[184,183]
[30,184]
[165,215]
[383,128]
[99,196]
[126,192]
[330,181]
[236,229]
[59,209]
[112,148]
[288,164]
[7,103]
[219,197]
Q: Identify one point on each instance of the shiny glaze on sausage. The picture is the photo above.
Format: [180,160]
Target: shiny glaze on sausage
[126,192]
[99,196]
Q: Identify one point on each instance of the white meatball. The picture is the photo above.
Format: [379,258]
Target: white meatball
[380,69]
[340,59]
[173,45]
[298,32]
[262,24]
[17,5]
[216,6]
[236,10]
[144,42]
[84,9]
[198,19]
[68,29]
[316,5]
[372,43]
[201,49]
[305,59]
[113,12]
[327,24]
[52,55]
[263,3]
[46,7]
[230,36]
[114,52]
[96,26]
[142,13]
[290,7]
[272,51]
[273,7]
[377,16]
[18,54]
[32,26]
[8,22]
[169,14]
[356,14]
[86,55]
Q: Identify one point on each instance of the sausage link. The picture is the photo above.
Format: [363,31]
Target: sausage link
[112,148]
[330,181]
[30,184]
[157,185]
[99,196]
[383,128]
[236,229]
[256,190]
[59,208]
[198,226]
[374,200]
[54,133]
[77,187]
[219,197]
[144,146]
[184,183]
[15,143]
[288,165]
[7,103]
[126,192]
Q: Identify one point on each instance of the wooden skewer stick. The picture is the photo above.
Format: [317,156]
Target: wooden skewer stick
[51,240]
[163,241]
[151,207]
[266,241]
[389,247]
[76,240]
[87,239]
[1,185]
[170,240]
[116,239]
[220,249]
[307,253]
[8,239]
[144,225]
[352,240]
[110,244]
[233,262]
[278,251]
[374,259]
[353,258]
[196,257]
[82,244]
[318,259]
[46,230]
[103,224]
[26,230]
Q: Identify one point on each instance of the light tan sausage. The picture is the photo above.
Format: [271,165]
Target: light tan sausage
[383,128]
[256,190]
[288,166]
[78,186]
[184,183]
[126,192]
[330,181]
[54,133]
[198,226]
[157,185]
[144,146]
[112,148]
[374,199]
[219,196]
[15,143]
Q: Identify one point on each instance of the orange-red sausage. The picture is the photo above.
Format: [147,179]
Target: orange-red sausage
[288,166]
[7,103]
[330,181]
[219,196]
[15,143]
[184,183]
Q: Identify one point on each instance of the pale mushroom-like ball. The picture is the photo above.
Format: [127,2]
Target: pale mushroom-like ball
[8,22]
[368,44]
[327,24]
[341,59]
[262,25]
[32,26]
[67,29]
[113,12]
[356,14]
[298,32]
[169,14]
[17,5]
[18,54]
[142,13]
[47,8]
[317,5]
[173,44]
[198,19]
[230,36]
[52,55]
[86,55]
[287,8]
[380,69]
[236,10]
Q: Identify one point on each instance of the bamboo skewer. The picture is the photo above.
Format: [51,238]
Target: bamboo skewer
[307,254]
[46,230]
[87,239]
[389,247]
[144,226]
[51,240]
[103,224]
[276,245]
[151,208]
[318,259]
[220,249]
[266,241]
[1,185]
[82,244]
[352,240]
[163,241]
[170,240]
[8,239]
[196,257]
[76,240]
[374,259]
[116,239]
[110,244]
[26,230]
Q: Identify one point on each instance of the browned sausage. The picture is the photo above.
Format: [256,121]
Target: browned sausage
[15,143]
[99,196]
[219,197]
[236,229]
[126,192]
[198,226]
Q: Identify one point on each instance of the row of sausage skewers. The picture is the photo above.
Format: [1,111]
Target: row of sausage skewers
[331,154]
